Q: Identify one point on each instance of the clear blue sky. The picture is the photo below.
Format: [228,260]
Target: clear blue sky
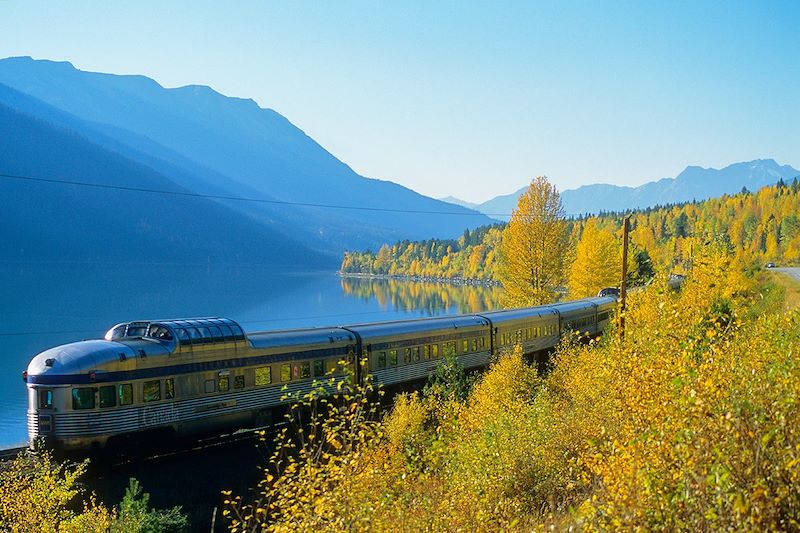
[467,98]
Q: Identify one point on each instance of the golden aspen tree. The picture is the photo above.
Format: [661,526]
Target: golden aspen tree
[534,246]
[597,262]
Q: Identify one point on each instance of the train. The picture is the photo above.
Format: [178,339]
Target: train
[148,381]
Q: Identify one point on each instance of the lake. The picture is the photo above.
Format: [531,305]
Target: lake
[46,304]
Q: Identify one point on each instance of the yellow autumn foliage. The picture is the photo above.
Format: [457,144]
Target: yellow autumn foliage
[597,264]
[37,494]
[689,423]
[534,247]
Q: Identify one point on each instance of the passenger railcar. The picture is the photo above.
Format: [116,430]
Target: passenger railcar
[408,350]
[185,377]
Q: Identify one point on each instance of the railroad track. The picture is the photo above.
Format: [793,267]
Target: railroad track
[195,446]
[11,453]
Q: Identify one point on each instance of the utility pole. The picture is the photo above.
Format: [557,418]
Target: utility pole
[626,228]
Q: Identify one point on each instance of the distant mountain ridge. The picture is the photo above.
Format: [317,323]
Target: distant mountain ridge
[49,221]
[458,201]
[694,183]
[208,143]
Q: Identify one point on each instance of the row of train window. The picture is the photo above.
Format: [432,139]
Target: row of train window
[426,352]
[513,337]
[122,394]
[209,334]
[581,322]
[201,333]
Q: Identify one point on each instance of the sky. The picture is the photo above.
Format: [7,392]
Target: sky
[470,99]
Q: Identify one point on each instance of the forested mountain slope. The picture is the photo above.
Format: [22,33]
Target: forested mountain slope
[218,144]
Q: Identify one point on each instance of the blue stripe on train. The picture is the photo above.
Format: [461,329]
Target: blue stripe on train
[188,368]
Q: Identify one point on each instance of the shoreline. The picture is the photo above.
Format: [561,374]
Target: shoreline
[472,282]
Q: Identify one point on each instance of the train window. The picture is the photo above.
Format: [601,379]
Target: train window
[183,336]
[216,333]
[226,332]
[151,390]
[393,357]
[449,348]
[135,331]
[319,367]
[194,335]
[305,370]
[333,366]
[210,386]
[286,372]
[407,355]
[465,346]
[83,398]
[482,342]
[45,399]
[238,381]
[435,351]
[380,362]
[159,332]
[264,376]
[426,352]
[108,396]
[416,354]
[224,383]
[169,388]
[125,394]
[206,335]
[117,333]
[502,338]
[237,332]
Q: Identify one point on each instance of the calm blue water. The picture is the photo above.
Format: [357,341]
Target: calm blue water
[45,305]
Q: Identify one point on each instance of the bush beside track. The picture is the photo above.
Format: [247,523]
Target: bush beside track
[689,423]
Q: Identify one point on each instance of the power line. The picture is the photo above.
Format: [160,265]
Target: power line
[242,198]
[287,319]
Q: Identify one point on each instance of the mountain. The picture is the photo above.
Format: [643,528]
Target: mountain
[214,144]
[457,201]
[694,183]
[49,221]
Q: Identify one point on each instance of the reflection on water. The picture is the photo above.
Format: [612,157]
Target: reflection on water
[44,305]
[430,298]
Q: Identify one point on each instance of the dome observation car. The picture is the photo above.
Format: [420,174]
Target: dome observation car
[189,331]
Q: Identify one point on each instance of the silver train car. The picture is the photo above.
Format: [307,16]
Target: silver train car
[152,380]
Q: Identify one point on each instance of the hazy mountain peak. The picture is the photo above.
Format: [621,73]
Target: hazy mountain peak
[693,183]
[458,201]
